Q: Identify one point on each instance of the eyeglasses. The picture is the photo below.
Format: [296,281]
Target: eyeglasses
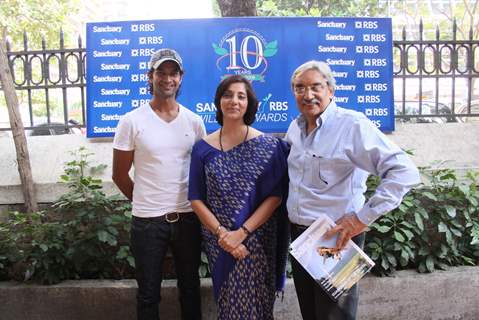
[315,88]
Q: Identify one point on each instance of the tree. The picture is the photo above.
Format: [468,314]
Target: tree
[440,15]
[23,158]
[37,18]
[40,19]
[322,8]
[234,8]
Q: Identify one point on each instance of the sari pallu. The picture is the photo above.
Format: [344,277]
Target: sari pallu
[233,184]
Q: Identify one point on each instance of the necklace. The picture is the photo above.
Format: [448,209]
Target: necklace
[245,137]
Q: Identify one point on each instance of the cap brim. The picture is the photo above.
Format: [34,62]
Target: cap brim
[159,62]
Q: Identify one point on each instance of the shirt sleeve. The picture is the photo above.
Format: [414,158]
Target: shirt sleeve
[376,154]
[124,137]
[197,179]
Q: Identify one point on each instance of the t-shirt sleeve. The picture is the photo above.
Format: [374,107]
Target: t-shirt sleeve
[197,179]
[124,136]
[200,129]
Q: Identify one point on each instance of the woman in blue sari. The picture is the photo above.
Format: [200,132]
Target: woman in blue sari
[238,181]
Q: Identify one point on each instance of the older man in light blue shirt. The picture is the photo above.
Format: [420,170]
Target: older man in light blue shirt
[333,151]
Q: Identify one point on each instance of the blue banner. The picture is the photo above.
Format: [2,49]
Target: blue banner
[265,50]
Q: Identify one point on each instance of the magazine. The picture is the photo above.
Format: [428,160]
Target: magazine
[335,271]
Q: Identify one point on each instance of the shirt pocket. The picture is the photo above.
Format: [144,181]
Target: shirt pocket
[328,173]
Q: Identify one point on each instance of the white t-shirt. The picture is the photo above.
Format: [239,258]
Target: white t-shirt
[161,159]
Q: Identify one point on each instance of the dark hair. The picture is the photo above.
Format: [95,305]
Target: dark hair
[150,84]
[252,107]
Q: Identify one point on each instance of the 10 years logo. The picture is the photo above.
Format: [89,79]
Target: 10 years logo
[244,51]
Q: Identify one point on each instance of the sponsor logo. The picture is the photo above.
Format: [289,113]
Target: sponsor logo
[106,29]
[332,49]
[339,37]
[114,42]
[110,117]
[337,74]
[150,40]
[106,79]
[331,24]
[345,87]
[340,62]
[115,92]
[115,66]
[106,54]
[374,37]
[366,24]
[107,104]
[142,27]
[377,112]
[104,129]
[142,52]
[369,99]
[341,99]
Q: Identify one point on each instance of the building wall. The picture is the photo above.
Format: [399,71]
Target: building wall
[453,145]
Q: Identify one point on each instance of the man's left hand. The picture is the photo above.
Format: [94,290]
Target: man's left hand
[346,227]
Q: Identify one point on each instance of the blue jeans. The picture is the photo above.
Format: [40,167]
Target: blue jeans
[314,302]
[150,239]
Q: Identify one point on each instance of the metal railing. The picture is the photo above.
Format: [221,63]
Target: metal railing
[419,65]
[47,70]
[450,69]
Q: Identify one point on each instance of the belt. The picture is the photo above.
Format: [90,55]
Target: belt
[299,227]
[170,217]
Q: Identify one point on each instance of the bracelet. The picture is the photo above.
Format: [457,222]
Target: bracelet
[243,227]
[218,228]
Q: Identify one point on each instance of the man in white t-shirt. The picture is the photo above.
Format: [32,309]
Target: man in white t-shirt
[156,139]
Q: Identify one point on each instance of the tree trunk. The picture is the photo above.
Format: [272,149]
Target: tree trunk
[236,8]
[23,159]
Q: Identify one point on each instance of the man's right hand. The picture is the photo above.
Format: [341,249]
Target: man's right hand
[346,227]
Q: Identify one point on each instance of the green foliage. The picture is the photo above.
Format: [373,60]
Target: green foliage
[442,15]
[84,237]
[336,8]
[37,18]
[204,270]
[86,234]
[436,226]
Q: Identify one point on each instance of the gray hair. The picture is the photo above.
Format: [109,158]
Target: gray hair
[320,66]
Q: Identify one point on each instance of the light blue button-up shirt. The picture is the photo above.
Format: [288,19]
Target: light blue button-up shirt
[329,167]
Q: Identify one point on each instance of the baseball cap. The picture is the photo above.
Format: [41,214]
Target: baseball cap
[162,55]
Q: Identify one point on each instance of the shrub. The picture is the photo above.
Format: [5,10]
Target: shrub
[436,226]
[86,236]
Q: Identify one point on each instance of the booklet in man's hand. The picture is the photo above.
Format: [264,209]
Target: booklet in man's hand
[335,271]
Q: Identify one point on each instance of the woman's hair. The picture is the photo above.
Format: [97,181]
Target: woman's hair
[252,107]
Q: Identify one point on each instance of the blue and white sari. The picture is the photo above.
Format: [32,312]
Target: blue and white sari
[233,184]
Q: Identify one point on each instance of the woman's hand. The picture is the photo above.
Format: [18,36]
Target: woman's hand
[240,252]
[230,240]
